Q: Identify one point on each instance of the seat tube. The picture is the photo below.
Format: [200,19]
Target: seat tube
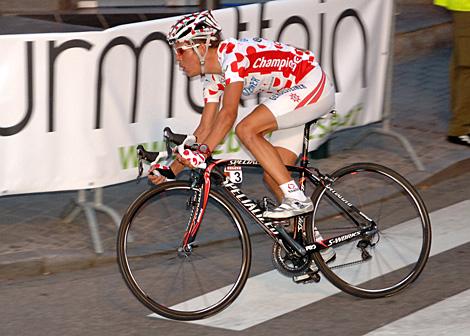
[304,160]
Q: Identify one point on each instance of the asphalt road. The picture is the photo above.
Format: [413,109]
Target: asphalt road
[97,302]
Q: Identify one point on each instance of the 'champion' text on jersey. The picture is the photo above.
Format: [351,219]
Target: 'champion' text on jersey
[263,66]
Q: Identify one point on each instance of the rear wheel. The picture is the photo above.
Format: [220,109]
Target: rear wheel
[392,258]
[190,284]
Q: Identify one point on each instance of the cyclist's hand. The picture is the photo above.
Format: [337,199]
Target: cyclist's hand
[157,179]
[191,158]
[158,174]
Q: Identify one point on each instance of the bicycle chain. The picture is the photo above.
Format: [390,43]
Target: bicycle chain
[347,264]
[365,256]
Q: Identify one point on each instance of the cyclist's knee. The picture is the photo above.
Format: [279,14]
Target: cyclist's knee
[245,131]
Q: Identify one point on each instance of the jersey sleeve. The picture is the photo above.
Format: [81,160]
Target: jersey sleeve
[213,88]
[234,63]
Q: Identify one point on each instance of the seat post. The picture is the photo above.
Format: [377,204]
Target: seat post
[304,160]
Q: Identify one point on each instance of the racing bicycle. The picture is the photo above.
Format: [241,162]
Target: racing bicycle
[184,250]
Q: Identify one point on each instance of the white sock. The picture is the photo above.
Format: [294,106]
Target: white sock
[291,190]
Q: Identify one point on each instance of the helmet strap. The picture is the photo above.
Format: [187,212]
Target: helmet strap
[202,58]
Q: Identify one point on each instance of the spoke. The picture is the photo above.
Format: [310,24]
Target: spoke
[379,215]
[203,292]
[359,193]
[356,273]
[173,284]
[166,269]
[401,248]
[379,259]
[216,269]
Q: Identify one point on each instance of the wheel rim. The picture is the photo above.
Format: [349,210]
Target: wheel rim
[403,239]
[183,285]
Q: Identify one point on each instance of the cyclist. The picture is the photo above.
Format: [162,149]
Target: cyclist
[297,91]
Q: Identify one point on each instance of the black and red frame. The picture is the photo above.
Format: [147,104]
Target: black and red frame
[203,180]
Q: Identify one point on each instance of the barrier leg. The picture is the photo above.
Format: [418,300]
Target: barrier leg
[93,226]
[98,205]
[404,142]
[77,207]
[90,209]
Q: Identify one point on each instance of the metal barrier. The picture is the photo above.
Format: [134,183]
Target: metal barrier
[90,209]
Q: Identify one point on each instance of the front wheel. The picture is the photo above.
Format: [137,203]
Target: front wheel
[387,261]
[188,284]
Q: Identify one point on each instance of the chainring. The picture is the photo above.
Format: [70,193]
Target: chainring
[288,264]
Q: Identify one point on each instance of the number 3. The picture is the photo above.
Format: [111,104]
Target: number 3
[238,177]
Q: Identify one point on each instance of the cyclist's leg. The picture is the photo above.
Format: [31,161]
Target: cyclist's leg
[309,100]
[251,132]
[288,158]
[292,107]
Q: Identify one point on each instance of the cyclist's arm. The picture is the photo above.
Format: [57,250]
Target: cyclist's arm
[206,123]
[225,118]
[214,125]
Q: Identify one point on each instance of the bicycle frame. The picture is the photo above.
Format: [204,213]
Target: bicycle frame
[365,225]
[178,282]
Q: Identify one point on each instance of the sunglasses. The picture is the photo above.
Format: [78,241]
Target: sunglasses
[179,51]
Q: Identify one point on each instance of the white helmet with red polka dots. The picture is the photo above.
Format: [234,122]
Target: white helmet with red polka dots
[200,25]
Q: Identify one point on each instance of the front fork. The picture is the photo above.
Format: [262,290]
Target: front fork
[193,203]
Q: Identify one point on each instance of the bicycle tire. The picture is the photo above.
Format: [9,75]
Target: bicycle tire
[145,262]
[403,241]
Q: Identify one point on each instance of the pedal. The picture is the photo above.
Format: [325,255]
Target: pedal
[306,278]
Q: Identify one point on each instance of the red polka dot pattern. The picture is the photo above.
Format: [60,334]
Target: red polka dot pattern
[250,50]
[262,65]
[230,48]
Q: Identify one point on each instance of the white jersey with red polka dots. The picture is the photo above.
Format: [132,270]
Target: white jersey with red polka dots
[263,66]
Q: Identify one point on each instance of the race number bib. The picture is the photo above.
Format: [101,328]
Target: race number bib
[234,173]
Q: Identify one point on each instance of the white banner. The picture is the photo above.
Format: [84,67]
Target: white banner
[75,105]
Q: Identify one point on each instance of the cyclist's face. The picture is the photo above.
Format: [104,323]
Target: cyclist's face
[187,58]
